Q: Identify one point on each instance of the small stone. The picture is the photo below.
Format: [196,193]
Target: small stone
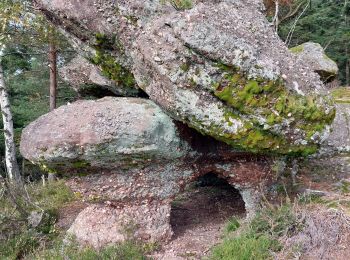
[157,59]
[318,193]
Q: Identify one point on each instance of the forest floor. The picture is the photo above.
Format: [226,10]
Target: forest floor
[200,216]
[198,219]
[308,221]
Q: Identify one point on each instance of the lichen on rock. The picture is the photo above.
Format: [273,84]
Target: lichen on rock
[127,153]
[315,56]
[96,134]
[173,54]
[218,68]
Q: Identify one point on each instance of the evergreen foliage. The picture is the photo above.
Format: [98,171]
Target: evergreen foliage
[326,22]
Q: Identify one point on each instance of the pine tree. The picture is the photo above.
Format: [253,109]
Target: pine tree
[326,22]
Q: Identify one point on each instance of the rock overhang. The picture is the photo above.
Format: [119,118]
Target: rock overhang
[176,57]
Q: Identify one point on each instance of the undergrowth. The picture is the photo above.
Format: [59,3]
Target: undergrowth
[262,236]
[20,240]
[71,250]
[17,236]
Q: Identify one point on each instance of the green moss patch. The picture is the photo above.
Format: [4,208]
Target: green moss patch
[110,68]
[271,101]
[297,49]
[81,164]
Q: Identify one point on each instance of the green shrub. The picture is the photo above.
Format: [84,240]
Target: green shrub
[17,237]
[51,196]
[18,246]
[275,221]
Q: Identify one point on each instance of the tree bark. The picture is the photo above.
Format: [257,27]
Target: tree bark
[347,67]
[53,75]
[347,72]
[276,18]
[10,147]
[53,87]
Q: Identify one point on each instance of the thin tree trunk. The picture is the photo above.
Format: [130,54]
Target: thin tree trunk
[10,147]
[53,87]
[347,72]
[347,62]
[276,18]
[53,75]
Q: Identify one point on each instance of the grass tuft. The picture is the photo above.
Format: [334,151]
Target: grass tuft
[259,238]
[232,225]
[20,241]
[245,247]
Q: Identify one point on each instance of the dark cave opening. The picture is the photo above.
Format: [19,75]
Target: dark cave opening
[206,204]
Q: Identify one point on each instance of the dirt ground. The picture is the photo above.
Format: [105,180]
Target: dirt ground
[198,219]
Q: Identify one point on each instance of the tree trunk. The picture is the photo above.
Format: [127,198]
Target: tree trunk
[347,73]
[53,87]
[10,147]
[53,75]
[276,18]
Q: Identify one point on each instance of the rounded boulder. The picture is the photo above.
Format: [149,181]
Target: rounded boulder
[108,133]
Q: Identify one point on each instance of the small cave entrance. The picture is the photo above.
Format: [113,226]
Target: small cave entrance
[203,209]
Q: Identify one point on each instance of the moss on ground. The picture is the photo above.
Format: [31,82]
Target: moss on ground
[341,95]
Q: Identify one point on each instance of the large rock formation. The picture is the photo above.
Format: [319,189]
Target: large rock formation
[215,66]
[219,67]
[314,56]
[136,160]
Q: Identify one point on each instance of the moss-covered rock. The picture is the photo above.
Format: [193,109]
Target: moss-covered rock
[261,99]
[109,66]
[271,104]
[87,79]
